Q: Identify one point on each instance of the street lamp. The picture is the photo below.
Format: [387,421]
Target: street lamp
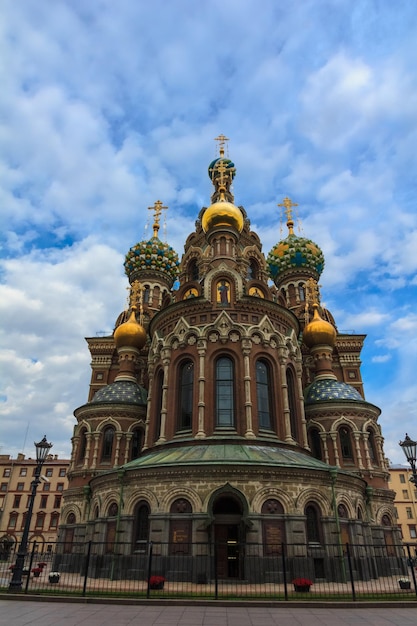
[42,449]
[410,450]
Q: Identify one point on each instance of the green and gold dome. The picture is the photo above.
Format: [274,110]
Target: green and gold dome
[294,253]
[152,255]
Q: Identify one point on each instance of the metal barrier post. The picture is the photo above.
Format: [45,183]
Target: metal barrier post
[352,584]
[284,568]
[87,564]
[150,551]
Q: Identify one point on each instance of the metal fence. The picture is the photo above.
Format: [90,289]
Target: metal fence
[220,571]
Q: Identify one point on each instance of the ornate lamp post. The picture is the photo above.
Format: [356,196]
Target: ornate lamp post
[42,449]
[410,450]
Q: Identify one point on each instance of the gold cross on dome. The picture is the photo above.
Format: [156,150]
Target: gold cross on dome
[157,208]
[288,204]
[222,140]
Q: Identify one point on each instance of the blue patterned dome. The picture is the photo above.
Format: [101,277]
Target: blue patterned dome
[328,390]
[121,392]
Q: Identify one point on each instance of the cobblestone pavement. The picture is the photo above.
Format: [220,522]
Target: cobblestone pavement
[22,612]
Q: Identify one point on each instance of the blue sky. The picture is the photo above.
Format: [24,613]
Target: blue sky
[108,106]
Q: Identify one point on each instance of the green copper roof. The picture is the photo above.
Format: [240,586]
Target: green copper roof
[235,453]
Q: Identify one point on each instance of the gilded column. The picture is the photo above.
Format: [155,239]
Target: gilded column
[201,349]
[246,349]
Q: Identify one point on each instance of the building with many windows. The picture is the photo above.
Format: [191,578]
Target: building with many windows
[16,477]
[227,407]
[405,501]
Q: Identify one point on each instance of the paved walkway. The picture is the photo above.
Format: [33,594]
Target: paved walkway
[21,613]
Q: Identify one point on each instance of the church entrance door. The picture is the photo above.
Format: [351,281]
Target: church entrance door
[228,537]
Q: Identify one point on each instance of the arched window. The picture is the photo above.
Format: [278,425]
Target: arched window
[263,394]
[113,510]
[141,526]
[186,387]
[193,270]
[301,293]
[313,529]
[345,443]
[372,446]
[225,410]
[253,270]
[71,518]
[108,438]
[315,443]
[292,404]
[82,445]
[158,403]
[136,443]
[146,294]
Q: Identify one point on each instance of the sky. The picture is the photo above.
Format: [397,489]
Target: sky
[106,107]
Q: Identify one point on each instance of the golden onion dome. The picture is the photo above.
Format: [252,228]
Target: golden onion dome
[130,334]
[318,331]
[222,213]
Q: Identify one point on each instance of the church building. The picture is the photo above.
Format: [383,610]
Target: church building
[226,408]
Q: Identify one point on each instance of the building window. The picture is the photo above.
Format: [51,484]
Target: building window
[412,530]
[62,472]
[54,520]
[313,531]
[40,520]
[405,494]
[263,394]
[57,502]
[12,520]
[372,446]
[345,443]
[23,471]
[3,487]
[108,437]
[315,443]
[44,502]
[292,404]
[46,486]
[409,512]
[136,444]
[225,410]
[20,486]
[82,446]
[60,487]
[141,527]
[16,502]
[49,472]
[402,478]
[186,389]
[6,472]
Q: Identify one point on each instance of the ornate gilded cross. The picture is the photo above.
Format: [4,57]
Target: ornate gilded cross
[157,208]
[222,140]
[288,204]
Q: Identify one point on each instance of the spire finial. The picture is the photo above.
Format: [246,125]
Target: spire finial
[288,204]
[157,208]
[222,140]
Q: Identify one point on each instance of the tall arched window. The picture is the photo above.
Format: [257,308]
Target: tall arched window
[372,446]
[315,443]
[108,438]
[136,443]
[82,445]
[263,394]
[225,410]
[292,404]
[141,526]
[193,270]
[158,402]
[186,387]
[252,270]
[345,443]
[313,530]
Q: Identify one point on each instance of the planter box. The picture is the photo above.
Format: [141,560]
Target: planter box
[405,585]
